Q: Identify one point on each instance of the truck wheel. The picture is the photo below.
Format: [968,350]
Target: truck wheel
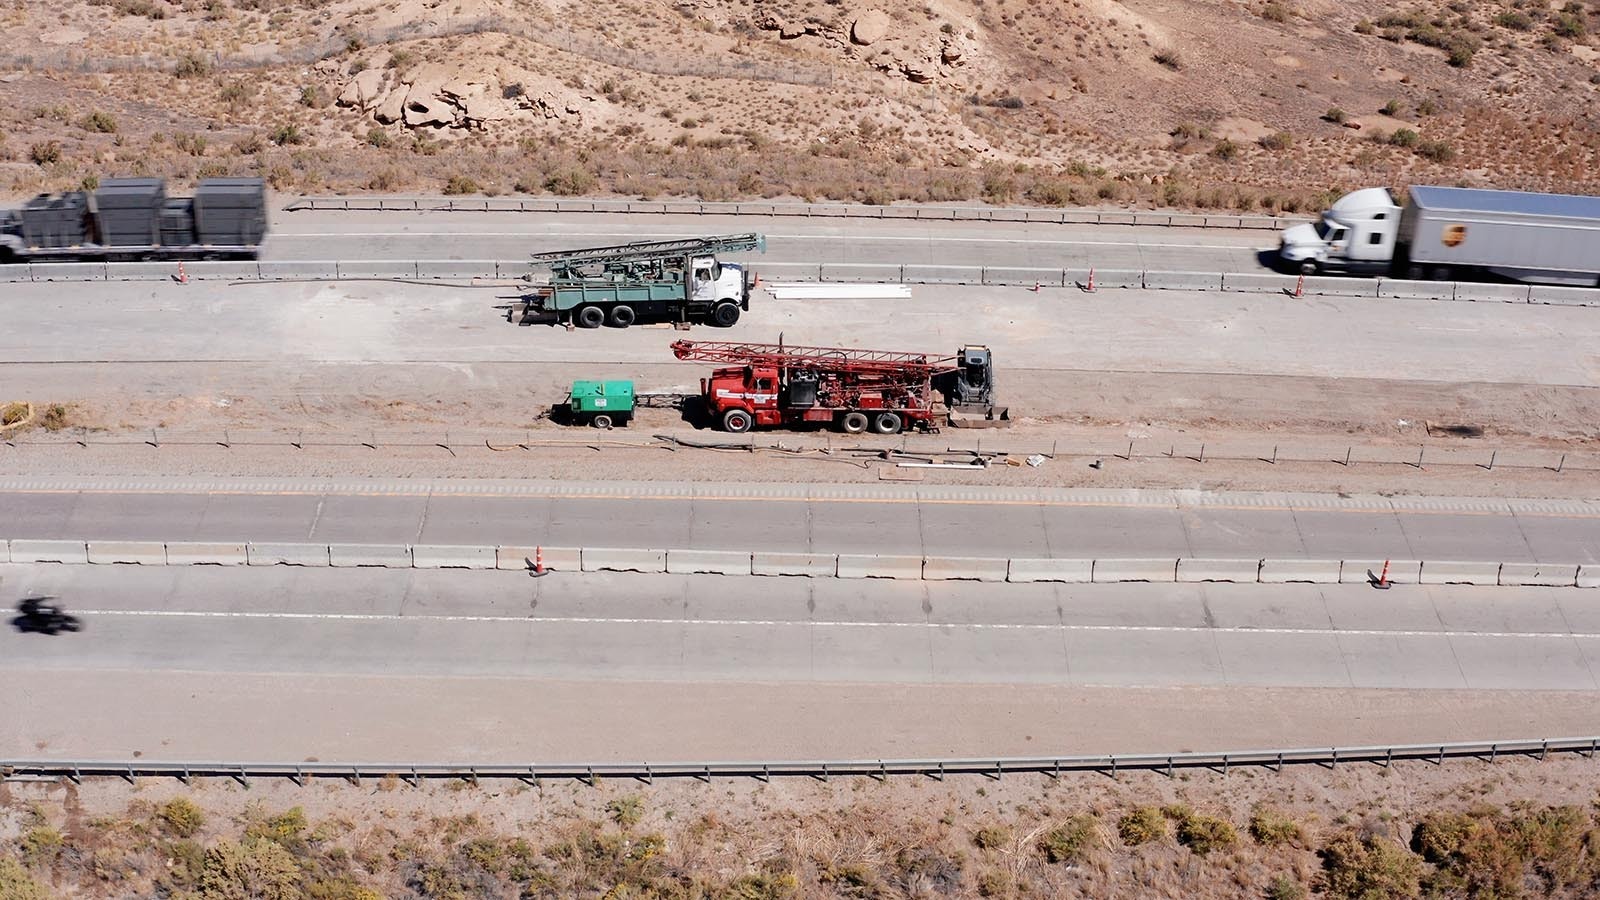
[621,316]
[601,421]
[590,317]
[853,422]
[737,421]
[725,314]
[886,423]
[1309,267]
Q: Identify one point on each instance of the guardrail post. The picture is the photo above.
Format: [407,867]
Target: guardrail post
[1494,750]
[296,778]
[129,775]
[1388,758]
[75,777]
[766,774]
[355,777]
[649,774]
[1279,766]
[1056,772]
[1224,764]
[824,773]
[185,776]
[1544,750]
[243,778]
[591,776]
[940,776]
[1169,767]
[1113,768]
[415,780]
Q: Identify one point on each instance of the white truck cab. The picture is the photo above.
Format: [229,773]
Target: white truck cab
[715,280]
[1356,234]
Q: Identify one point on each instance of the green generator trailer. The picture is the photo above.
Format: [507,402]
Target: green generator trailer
[603,404]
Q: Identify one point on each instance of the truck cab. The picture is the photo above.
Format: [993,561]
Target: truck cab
[751,390]
[716,281]
[1356,234]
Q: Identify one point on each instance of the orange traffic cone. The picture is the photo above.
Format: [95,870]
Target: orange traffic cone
[1300,287]
[538,563]
[183,277]
[1038,286]
[1089,288]
[1382,583]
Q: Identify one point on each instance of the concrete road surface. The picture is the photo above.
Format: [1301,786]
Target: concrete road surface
[890,520]
[347,644]
[296,324]
[321,234]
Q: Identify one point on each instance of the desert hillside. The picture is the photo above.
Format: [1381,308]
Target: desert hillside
[1215,103]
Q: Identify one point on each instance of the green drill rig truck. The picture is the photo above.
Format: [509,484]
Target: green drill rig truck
[647,281]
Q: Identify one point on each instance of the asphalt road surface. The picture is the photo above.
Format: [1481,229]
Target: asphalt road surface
[320,235]
[887,520]
[286,663]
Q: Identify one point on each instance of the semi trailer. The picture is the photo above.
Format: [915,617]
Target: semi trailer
[1453,234]
[771,385]
[646,281]
[127,219]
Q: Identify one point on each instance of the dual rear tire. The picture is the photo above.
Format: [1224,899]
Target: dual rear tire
[882,423]
[619,316]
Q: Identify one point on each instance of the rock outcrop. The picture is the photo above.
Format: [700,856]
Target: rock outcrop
[433,95]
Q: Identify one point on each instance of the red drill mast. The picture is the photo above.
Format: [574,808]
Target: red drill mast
[886,363]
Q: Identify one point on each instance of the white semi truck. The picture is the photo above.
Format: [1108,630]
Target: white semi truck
[1453,234]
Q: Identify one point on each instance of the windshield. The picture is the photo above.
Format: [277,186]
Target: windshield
[1324,228]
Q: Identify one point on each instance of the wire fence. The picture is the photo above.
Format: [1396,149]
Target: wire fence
[980,448]
[996,768]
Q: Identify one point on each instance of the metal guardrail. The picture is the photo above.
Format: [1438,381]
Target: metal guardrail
[1464,451]
[747,563]
[488,271]
[1043,215]
[993,768]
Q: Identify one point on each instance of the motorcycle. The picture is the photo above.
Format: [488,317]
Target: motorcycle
[38,616]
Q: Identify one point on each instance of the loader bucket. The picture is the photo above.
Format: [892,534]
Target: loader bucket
[980,417]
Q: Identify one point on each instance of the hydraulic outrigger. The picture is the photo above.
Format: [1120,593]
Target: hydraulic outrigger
[680,280]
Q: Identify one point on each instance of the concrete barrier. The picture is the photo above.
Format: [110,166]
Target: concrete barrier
[1106,278]
[5,551]
[600,559]
[30,551]
[1416,290]
[1068,571]
[287,554]
[809,565]
[457,270]
[143,553]
[202,553]
[964,568]
[389,556]
[15,272]
[1183,281]
[942,274]
[861,274]
[444,556]
[1460,572]
[286,271]
[241,270]
[377,269]
[788,271]
[1563,296]
[1401,571]
[855,565]
[144,271]
[1589,576]
[556,559]
[1313,571]
[1259,282]
[1539,574]
[1108,571]
[708,562]
[1241,571]
[1002,275]
[1492,293]
[70,271]
[1339,286]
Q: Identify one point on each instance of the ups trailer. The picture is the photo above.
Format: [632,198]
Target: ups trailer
[130,219]
[1453,234]
[771,385]
[679,281]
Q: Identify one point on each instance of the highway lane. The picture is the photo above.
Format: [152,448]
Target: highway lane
[882,519]
[318,235]
[1138,331]
[596,627]
[395,665]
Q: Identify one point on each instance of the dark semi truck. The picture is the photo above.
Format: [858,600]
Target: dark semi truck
[128,219]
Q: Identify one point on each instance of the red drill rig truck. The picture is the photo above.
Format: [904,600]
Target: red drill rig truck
[852,390]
